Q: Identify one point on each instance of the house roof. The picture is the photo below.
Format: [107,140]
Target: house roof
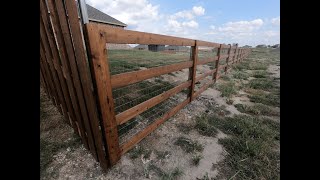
[98,16]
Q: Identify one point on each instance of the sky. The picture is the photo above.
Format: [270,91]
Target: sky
[247,22]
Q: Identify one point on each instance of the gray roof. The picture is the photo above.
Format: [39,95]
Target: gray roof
[98,16]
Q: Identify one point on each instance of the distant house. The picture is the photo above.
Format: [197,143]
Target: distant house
[177,48]
[247,46]
[141,47]
[97,16]
[276,46]
[261,46]
[156,48]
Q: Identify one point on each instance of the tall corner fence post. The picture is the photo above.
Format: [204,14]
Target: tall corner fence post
[227,67]
[194,56]
[98,58]
[215,75]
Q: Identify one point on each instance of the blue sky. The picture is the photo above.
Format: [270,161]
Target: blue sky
[248,22]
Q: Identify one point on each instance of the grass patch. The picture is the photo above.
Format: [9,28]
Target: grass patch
[173,175]
[240,75]
[139,151]
[162,154]
[257,109]
[260,74]
[250,148]
[258,66]
[185,128]
[196,159]
[272,99]
[227,89]
[204,127]
[261,83]
[188,145]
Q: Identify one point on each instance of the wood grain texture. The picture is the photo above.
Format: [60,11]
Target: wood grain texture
[194,57]
[124,79]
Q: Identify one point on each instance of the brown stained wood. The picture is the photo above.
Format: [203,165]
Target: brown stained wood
[100,67]
[87,84]
[121,36]
[204,75]
[194,57]
[138,137]
[49,58]
[227,60]
[120,80]
[59,20]
[208,44]
[44,83]
[142,107]
[49,78]
[203,88]
[235,55]
[207,60]
[214,76]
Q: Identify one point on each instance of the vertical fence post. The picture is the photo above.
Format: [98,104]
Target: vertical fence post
[194,57]
[226,68]
[235,54]
[100,66]
[217,64]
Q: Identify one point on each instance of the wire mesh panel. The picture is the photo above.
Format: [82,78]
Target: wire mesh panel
[133,57]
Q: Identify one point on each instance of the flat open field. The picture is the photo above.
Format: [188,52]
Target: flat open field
[231,131]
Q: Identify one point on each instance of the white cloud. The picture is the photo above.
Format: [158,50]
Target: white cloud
[241,26]
[198,10]
[128,11]
[212,27]
[191,24]
[276,21]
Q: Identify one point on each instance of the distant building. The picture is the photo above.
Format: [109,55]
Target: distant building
[156,48]
[247,46]
[261,46]
[276,46]
[177,48]
[141,47]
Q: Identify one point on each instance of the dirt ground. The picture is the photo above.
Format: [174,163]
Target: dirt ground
[64,157]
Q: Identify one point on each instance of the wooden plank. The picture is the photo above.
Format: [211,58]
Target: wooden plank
[44,83]
[194,57]
[203,88]
[120,80]
[204,75]
[142,107]
[100,66]
[214,76]
[208,44]
[138,137]
[48,54]
[49,78]
[121,36]
[235,54]
[229,52]
[80,114]
[207,60]
[75,114]
[98,127]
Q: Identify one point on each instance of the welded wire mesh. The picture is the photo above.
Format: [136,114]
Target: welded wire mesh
[132,57]
[137,124]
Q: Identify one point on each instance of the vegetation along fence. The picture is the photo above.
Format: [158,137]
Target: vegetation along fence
[114,97]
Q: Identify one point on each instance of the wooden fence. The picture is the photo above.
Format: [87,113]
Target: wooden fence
[75,73]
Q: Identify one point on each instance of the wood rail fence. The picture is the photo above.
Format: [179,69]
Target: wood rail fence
[75,74]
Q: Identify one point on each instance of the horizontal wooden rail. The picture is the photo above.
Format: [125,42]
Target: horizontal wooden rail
[207,60]
[121,36]
[208,44]
[203,88]
[140,108]
[138,137]
[124,79]
[202,76]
